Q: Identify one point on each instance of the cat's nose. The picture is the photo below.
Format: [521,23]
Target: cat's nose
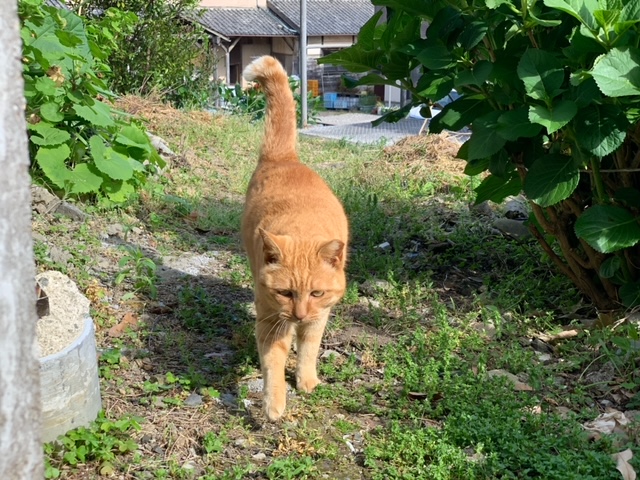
[300,312]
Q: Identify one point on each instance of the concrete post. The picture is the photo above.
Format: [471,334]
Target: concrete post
[20,447]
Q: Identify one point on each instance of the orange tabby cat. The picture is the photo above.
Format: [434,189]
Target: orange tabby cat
[295,233]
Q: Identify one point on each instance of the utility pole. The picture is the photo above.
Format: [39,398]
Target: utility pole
[303,63]
[20,446]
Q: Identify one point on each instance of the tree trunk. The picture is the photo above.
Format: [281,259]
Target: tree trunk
[20,447]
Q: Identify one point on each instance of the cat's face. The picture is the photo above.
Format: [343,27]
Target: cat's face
[302,280]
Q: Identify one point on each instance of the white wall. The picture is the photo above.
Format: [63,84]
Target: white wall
[314,44]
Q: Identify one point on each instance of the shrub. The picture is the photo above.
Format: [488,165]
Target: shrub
[162,53]
[252,101]
[78,144]
[550,89]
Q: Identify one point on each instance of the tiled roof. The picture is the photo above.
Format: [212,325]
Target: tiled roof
[326,17]
[56,3]
[244,22]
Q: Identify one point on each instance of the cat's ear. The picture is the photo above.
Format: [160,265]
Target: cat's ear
[332,252]
[271,249]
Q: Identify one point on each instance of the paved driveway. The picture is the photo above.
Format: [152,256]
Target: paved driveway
[357,128]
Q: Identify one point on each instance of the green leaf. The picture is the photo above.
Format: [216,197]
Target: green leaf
[628,196]
[555,119]
[133,136]
[586,93]
[617,72]
[515,124]
[47,87]
[98,114]
[551,179]
[476,76]
[84,179]
[630,12]
[433,85]
[47,134]
[608,228]
[485,140]
[630,294]
[610,267]
[52,161]
[459,114]
[369,79]
[435,57]
[355,59]
[542,21]
[606,18]
[580,9]
[542,74]
[393,116]
[367,32]
[51,112]
[500,165]
[118,191]
[473,34]
[108,161]
[602,128]
[497,189]
[477,166]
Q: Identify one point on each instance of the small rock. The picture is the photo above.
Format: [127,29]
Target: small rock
[115,229]
[59,256]
[602,376]
[38,237]
[541,346]
[371,287]
[71,211]
[246,403]
[259,457]
[373,303]
[160,145]
[544,358]
[255,385]
[483,209]
[563,411]
[487,329]
[516,208]
[229,400]
[188,465]
[512,228]
[42,200]
[193,400]
[240,442]
[328,353]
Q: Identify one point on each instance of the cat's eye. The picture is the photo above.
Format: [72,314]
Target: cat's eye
[317,293]
[285,293]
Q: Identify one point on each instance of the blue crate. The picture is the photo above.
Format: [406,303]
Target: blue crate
[329,99]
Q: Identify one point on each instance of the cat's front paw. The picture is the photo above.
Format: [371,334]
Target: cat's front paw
[274,407]
[307,384]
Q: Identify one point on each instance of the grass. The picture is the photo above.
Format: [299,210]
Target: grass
[415,359]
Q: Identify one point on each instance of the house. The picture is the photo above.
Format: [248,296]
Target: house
[244,29]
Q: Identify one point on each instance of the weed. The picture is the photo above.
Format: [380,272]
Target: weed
[109,361]
[140,269]
[290,467]
[103,441]
[214,443]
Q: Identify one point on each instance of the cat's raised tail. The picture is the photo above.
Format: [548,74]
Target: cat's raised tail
[279,143]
